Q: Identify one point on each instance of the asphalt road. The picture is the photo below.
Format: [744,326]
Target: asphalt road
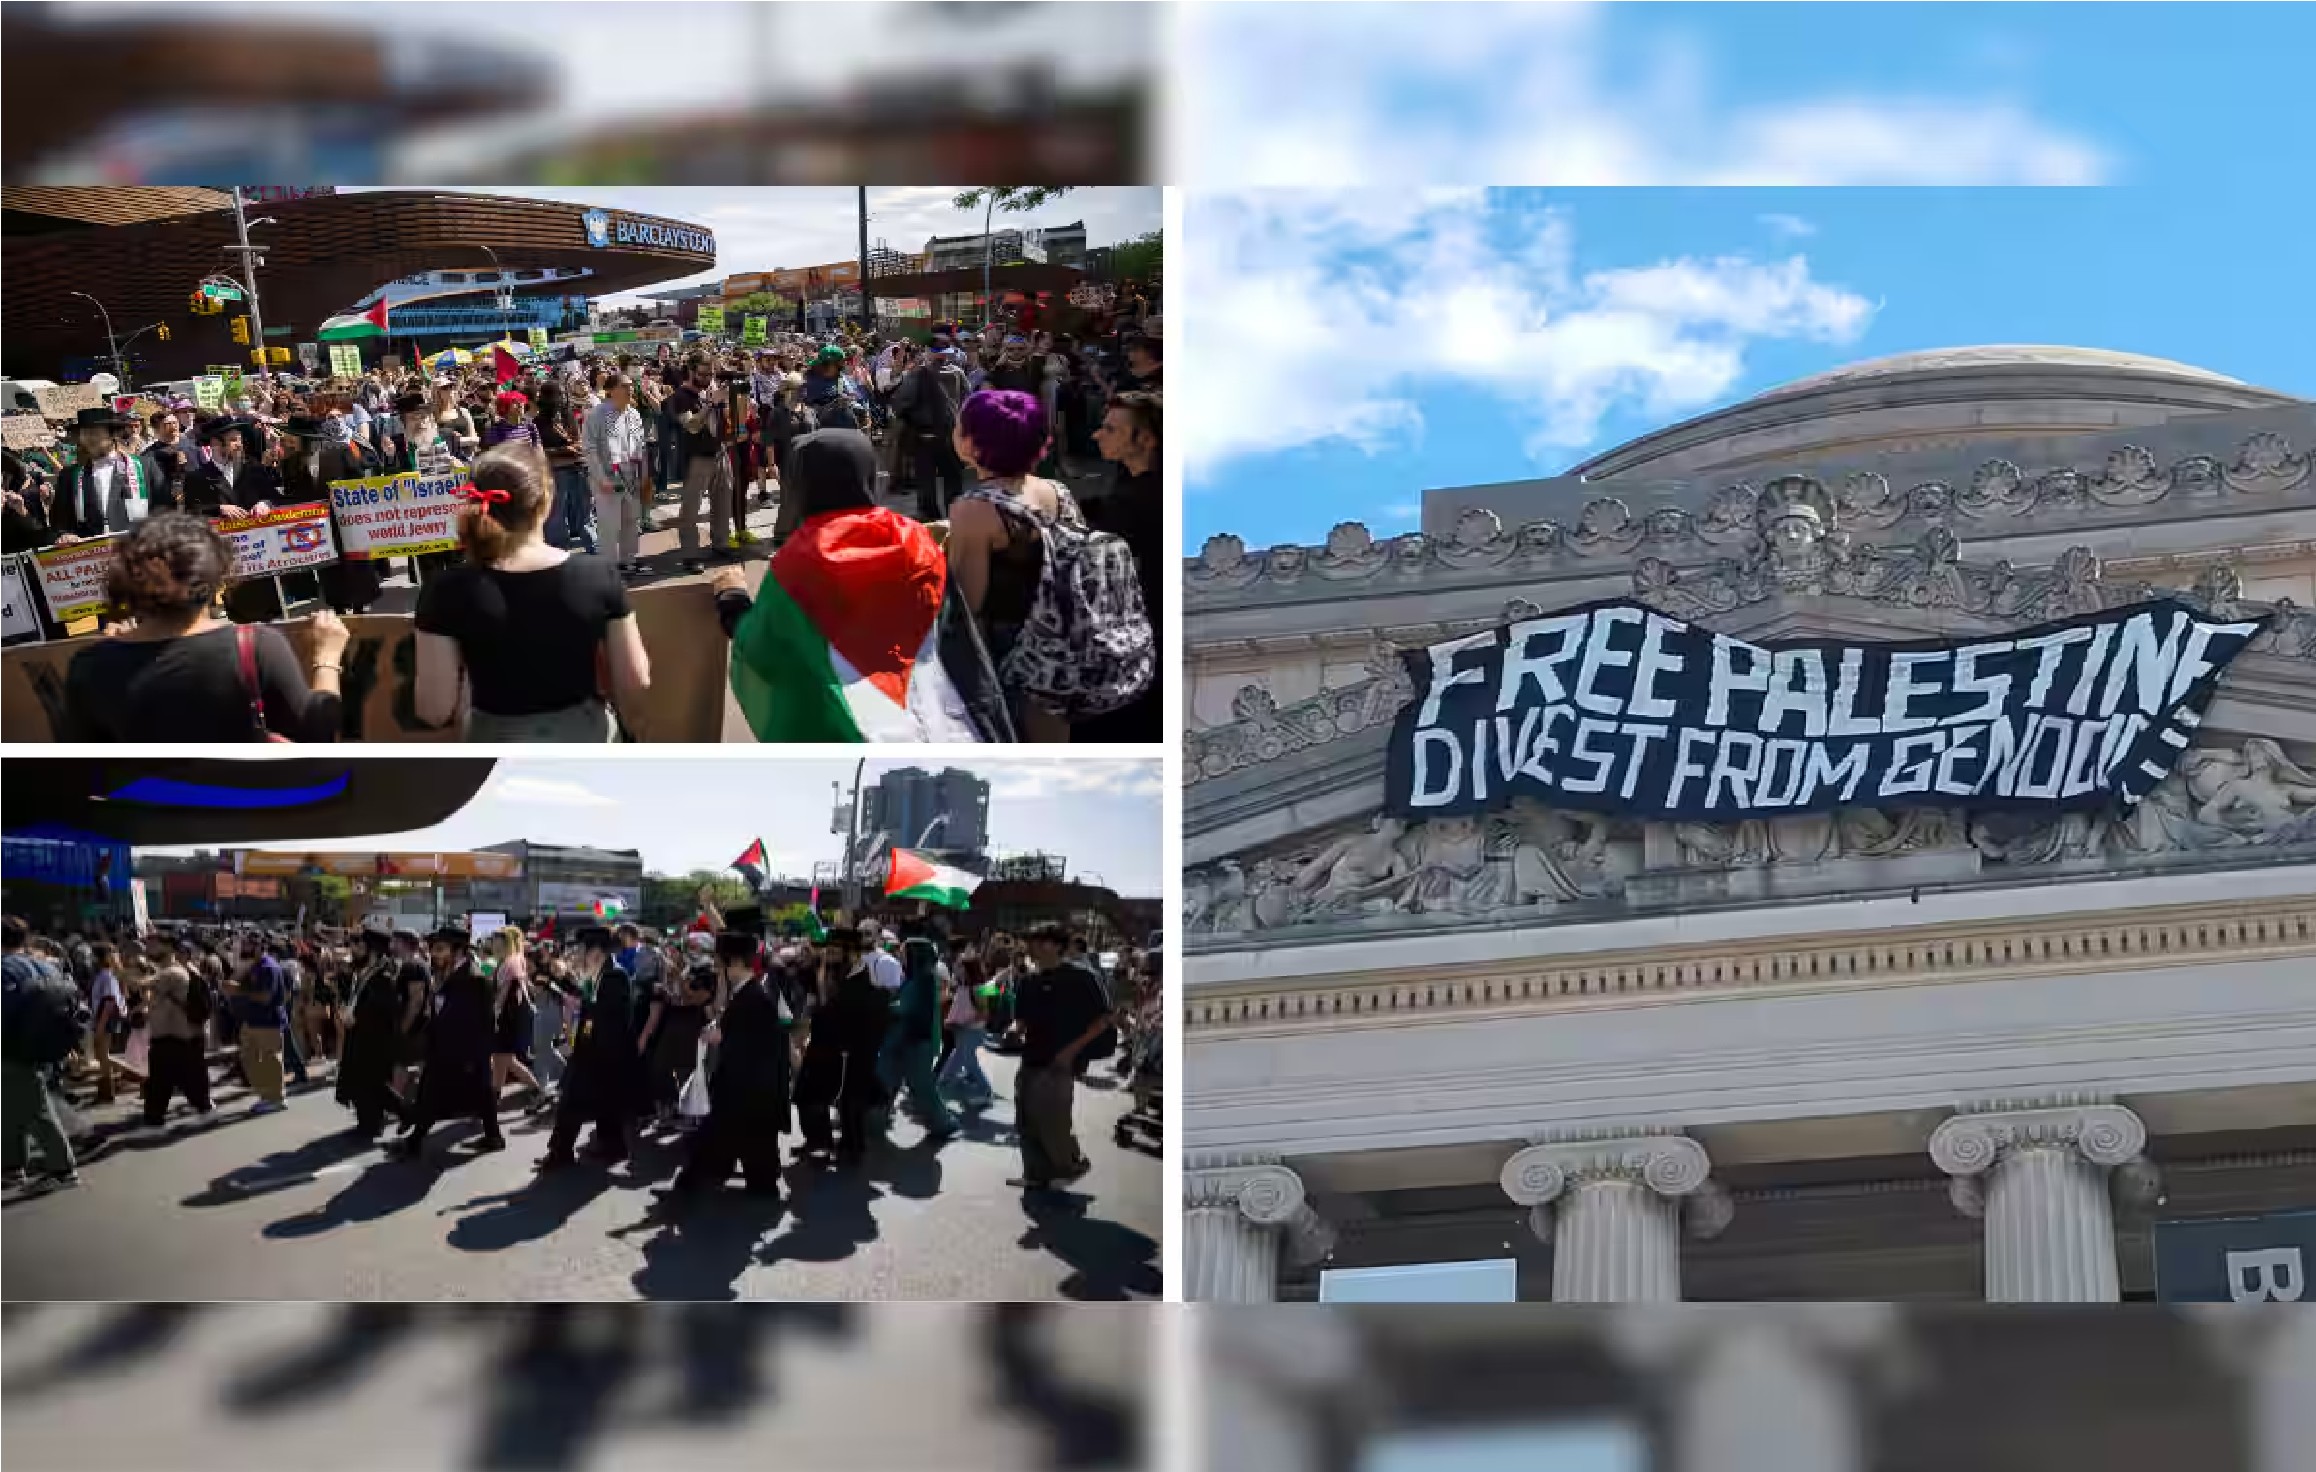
[288,1206]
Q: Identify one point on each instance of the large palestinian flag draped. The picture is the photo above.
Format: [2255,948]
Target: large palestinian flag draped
[355,325]
[915,877]
[842,642]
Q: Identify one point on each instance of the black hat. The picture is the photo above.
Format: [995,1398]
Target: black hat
[594,938]
[374,939]
[219,428]
[409,937]
[100,418]
[735,945]
[457,936]
[410,403]
[304,427]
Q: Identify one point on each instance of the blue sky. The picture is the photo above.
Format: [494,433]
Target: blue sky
[1574,1448]
[1349,344]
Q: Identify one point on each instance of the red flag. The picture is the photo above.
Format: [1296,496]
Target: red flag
[376,316]
[507,365]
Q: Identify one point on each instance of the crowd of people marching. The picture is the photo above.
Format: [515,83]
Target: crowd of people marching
[997,607]
[715,1035]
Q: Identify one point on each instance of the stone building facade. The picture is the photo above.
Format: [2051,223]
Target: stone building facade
[1925,1053]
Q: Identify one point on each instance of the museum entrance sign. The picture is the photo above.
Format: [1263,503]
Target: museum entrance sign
[1613,707]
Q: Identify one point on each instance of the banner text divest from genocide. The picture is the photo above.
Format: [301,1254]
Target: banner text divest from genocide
[1614,707]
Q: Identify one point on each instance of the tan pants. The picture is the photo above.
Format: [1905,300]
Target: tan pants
[711,476]
[261,1061]
[1043,1099]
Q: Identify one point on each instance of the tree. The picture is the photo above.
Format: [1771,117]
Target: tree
[1141,259]
[1014,199]
[670,900]
[764,304]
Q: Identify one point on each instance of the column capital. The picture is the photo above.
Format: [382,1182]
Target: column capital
[1975,1141]
[1671,1165]
[1265,1192]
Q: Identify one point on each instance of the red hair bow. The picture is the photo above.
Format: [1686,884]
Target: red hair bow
[492,496]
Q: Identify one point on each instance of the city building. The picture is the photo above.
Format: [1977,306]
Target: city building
[143,252]
[1052,245]
[1592,1050]
[909,807]
[566,881]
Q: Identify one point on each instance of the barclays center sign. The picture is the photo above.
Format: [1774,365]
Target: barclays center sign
[1614,707]
[606,229]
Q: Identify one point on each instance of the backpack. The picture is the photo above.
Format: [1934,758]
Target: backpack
[1105,1043]
[940,389]
[839,413]
[1087,647]
[198,1002]
[45,1013]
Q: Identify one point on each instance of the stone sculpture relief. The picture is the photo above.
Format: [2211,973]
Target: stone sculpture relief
[2264,465]
[1532,858]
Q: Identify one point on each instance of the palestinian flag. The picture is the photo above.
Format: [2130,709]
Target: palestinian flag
[843,641]
[606,908]
[355,325]
[915,877]
[752,865]
[505,365]
[814,931]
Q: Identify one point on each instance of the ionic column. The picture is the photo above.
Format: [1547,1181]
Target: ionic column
[1611,1208]
[1234,1218]
[1779,1386]
[2037,1175]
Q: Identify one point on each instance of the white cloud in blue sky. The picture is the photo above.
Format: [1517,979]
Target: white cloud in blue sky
[1568,93]
[1327,317]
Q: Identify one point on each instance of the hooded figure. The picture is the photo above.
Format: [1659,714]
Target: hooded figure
[858,633]
[456,1081]
[603,1078]
[366,1070]
[748,1088]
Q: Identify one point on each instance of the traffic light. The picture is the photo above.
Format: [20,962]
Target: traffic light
[241,330]
[277,355]
[257,356]
[162,332]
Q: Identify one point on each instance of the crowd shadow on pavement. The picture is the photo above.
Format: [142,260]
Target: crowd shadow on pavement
[378,1192]
[1088,1428]
[280,1170]
[1110,1261]
[703,1245]
[530,1212]
[136,1331]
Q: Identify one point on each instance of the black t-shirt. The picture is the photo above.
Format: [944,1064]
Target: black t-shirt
[687,400]
[189,691]
[1055,1008]
[528,638]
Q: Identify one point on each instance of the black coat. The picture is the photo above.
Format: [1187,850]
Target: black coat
[457,1080]
[367,1066]
[206,494]
[749,1085]
[604,1073]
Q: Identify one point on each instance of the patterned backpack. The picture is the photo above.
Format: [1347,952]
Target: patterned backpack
[1087,647]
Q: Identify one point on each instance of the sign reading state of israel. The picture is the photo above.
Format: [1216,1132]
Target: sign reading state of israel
[1613,707]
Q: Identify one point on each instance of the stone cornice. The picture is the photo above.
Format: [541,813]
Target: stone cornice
[2002,947]
[2265,470]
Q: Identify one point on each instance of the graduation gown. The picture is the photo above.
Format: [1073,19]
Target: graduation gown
[457,1078]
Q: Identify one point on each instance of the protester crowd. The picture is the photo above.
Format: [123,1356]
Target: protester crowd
[718,1037]
[997,607]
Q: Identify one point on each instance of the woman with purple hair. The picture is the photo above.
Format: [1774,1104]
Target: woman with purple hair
[995,550]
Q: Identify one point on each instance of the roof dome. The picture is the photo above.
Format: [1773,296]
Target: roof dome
[1932,400]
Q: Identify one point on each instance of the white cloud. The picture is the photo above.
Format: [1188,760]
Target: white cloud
[1792,227]
[1052,780]
[549,791]
[1344,95]
[1325,317]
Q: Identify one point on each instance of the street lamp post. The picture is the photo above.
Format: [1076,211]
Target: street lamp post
[249,260]
[120,369]
[502,292]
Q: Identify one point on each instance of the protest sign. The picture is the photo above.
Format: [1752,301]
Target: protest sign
[26,432]
[345,360]
[752,331]
[65,400]
[18,618]
[1613,707]
[72,578]
[209,393]
[711,319]
[232,377]
[124,404]
[538,337]
[310,357]
[390,364]
[397,515]
[281,540]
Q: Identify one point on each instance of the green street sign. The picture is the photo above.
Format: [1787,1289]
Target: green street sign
[217,291]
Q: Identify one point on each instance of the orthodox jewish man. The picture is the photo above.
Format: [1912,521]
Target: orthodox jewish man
[105,489]
[366,1068]
[232,475]
[455,1080]
[603,1078]
[748,1087]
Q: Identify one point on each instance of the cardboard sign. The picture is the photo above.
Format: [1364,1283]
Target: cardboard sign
[18,620]
[72,578]
[397,515]
[686,702]
[209,393]
[345,360]
[26,432]
[282,540]
[66,400]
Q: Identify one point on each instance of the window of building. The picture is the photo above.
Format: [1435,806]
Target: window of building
[531,275]
[453,278]
[485,278]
